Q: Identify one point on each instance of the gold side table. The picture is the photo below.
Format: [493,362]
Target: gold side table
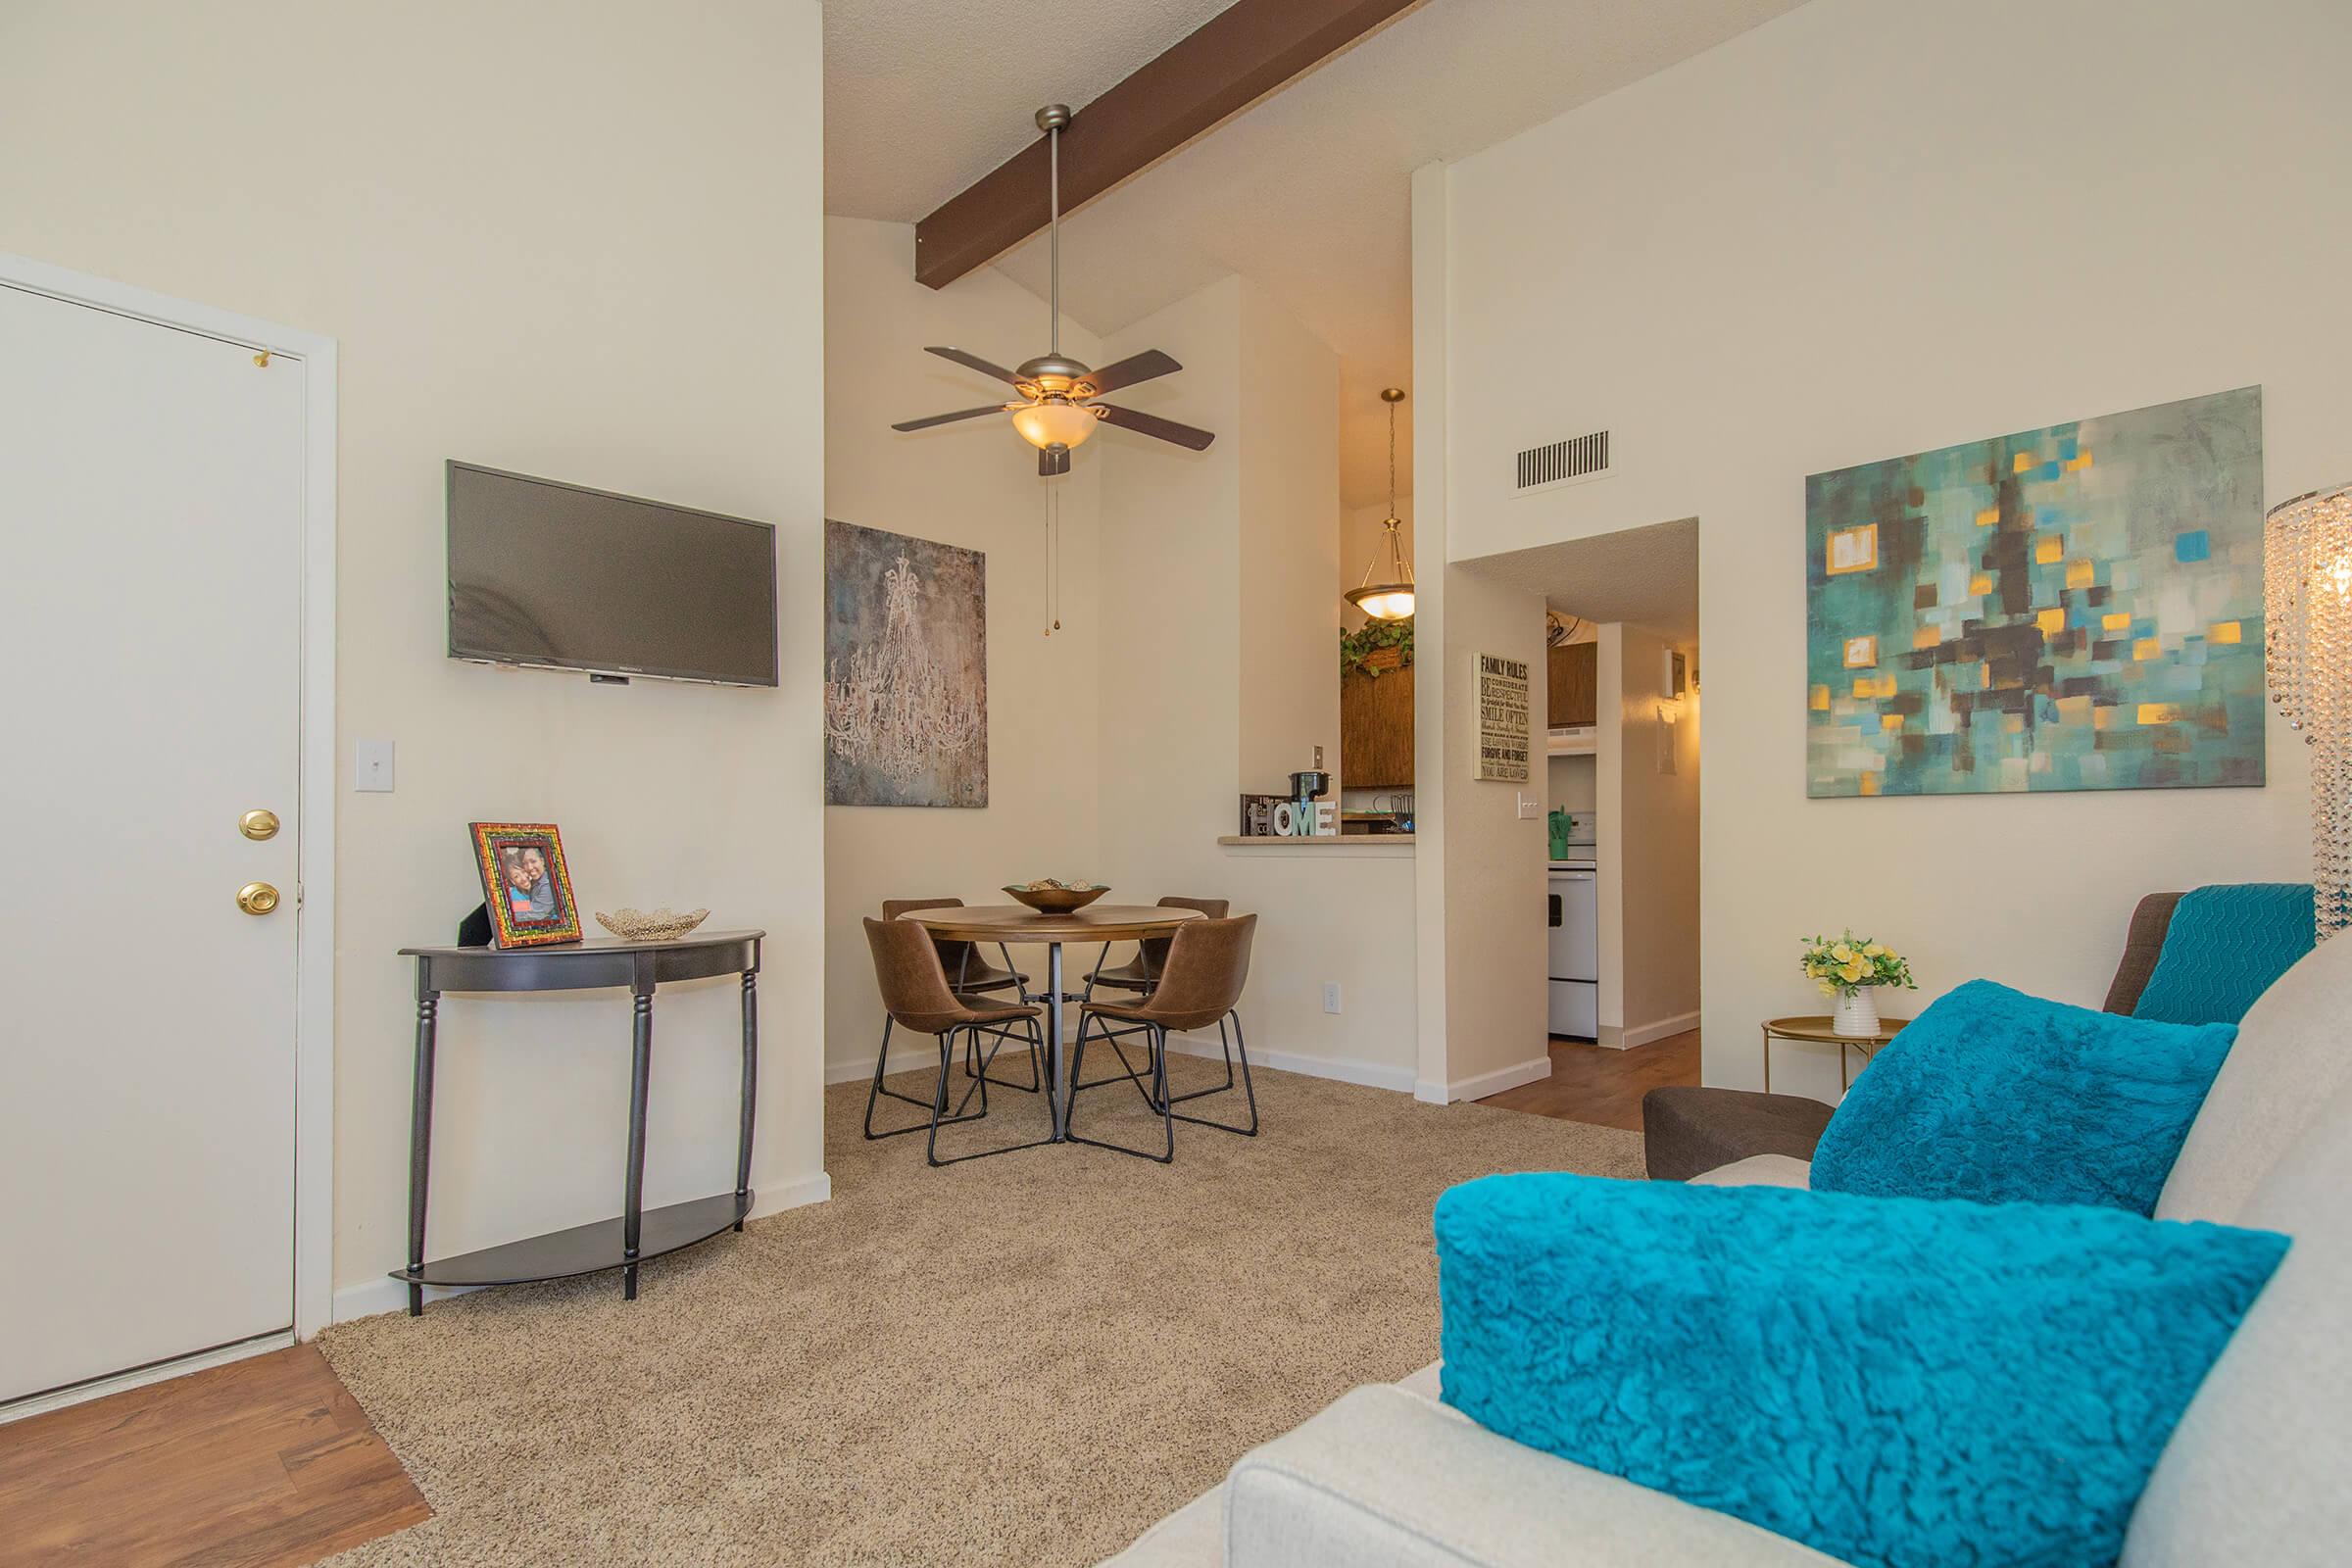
[1818,1030]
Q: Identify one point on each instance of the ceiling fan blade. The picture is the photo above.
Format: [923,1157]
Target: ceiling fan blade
[1049,463]
[948,418]
[976,363]
[1128,372]
[1152,425]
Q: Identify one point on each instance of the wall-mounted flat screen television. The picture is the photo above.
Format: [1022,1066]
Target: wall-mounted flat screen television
[559,576]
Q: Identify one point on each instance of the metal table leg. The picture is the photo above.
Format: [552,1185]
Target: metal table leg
[1056,1098]
[641,1052]
[751,1084]
[421,1135]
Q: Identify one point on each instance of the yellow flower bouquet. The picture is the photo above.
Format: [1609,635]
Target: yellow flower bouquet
[1842,965]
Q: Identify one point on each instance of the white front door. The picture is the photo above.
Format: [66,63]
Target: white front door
[150,640]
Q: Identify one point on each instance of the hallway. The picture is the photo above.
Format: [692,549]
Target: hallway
[1602,1087]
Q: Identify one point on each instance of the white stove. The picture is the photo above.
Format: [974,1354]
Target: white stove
[1573,916]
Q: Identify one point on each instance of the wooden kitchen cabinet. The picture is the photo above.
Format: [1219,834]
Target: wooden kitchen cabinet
[1573,678]
[1376,730]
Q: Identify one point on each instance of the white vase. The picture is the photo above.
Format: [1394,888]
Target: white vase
[1857,1014]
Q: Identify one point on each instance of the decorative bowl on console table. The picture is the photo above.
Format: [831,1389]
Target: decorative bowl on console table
[1051,896]
[662,925]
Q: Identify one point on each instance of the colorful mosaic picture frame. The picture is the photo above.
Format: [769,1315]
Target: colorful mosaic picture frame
[525,884]
[2075,607]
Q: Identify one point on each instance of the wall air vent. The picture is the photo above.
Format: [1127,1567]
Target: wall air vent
[1576,460]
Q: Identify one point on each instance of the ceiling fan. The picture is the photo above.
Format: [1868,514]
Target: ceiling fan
[1058,409]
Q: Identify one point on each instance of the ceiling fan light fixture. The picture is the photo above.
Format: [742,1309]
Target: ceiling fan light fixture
[1051,422]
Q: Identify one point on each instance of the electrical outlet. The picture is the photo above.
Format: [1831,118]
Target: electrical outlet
[371,768]
[1318,758]
[1331,996]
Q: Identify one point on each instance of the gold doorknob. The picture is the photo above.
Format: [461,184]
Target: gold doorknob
[259,823]
[256,898]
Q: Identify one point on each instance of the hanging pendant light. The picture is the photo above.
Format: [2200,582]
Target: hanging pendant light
[1391,598]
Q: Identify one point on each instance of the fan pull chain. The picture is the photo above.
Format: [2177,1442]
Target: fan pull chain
[1053,557]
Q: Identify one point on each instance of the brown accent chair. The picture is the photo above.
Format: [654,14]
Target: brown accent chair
[1689,1130]
[916,994]
[970,975]
[1207,964]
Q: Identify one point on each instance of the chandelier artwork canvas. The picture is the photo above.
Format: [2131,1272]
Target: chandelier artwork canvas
[905,670]
[2075,607]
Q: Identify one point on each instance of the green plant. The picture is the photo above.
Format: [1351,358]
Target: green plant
[1842,966]
[1359,645]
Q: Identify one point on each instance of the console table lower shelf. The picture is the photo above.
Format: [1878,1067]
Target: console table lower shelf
[636,1234]
[589,1248]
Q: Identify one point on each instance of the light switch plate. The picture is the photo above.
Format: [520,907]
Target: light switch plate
[371,768]
[1530,807]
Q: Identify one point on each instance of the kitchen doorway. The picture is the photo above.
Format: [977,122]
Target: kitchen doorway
[1622,783]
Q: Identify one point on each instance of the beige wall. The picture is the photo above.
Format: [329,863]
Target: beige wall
[543,258]
[1185,542]
[1288,443]
[1648,856]
[1867,229]
[1575,786]
[1497,947]
[974,485]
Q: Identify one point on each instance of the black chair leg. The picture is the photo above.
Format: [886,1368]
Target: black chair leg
[1249,1089]
[1037,1076]
[1156,1094]
[1225,1042]
[877,1091]
[947,1058]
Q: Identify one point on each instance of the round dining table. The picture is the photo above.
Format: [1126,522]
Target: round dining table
[1018,925]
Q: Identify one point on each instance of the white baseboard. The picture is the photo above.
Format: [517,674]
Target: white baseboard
[388,1295]
[1347,1071]
[1342,1069]
[915,1059]
[1616,1037]
[99,1388]
[1486,1083]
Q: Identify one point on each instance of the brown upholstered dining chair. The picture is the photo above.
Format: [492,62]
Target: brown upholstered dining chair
[969,974]
[1140,974]
[915,993]
[1207,964]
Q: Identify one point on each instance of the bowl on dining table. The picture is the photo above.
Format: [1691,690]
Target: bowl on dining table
[1051,896]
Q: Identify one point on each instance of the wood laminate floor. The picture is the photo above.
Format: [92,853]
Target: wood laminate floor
[1603,1087]
[267,1460]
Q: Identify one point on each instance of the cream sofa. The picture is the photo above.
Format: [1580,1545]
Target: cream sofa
[1387,1477]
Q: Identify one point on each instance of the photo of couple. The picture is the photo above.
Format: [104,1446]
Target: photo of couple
[525,884]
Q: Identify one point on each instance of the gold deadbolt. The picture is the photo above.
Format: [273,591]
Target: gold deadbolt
[259,823]
[256,898]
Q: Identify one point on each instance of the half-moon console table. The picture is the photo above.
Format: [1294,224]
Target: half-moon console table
[635,1235]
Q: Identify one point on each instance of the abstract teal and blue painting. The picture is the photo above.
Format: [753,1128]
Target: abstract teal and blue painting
[2078,607]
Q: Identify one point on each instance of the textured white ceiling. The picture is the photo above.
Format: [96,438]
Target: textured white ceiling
[1648,577]
[1306,193]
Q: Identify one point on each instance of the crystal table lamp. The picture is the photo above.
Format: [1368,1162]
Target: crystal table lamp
[2307,615]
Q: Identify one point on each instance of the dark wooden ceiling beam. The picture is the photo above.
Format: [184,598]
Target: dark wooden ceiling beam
[1251,49]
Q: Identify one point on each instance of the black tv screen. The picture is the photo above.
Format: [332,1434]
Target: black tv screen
[563,577]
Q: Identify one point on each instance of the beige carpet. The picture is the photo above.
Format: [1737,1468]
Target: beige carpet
[1022,1360]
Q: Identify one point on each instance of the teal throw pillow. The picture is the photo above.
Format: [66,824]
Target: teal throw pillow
[1998,1097]
[1891,1382]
